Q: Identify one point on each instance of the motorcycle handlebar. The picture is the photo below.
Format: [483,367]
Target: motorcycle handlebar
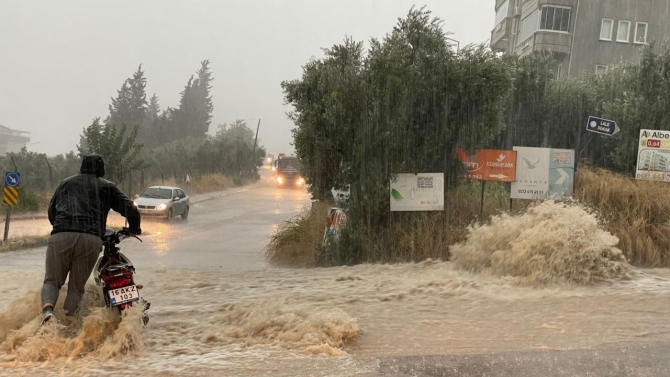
[125,232]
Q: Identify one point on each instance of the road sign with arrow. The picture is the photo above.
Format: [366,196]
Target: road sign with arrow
[10,196]
[602,126]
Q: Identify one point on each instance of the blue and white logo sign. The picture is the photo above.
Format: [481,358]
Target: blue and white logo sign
[543,173]
[602,126]
[12,179]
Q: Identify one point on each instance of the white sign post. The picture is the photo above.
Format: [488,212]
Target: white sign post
[653,156]
[420,192]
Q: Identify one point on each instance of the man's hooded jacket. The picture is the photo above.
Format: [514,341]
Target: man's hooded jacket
[81,203]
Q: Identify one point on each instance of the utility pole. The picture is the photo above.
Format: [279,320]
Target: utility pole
[256,139]
[253,151]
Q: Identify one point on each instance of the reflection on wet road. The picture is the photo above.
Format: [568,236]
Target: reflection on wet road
[228,232]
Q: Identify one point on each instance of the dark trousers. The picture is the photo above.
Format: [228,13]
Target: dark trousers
[74,254]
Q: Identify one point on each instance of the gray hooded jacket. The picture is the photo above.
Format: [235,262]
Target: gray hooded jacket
[81,203]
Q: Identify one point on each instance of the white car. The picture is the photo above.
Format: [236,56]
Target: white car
[163,201]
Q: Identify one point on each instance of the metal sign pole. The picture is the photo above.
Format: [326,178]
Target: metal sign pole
[9,214]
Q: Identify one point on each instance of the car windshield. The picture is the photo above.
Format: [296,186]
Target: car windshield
[157,193]
[293,163]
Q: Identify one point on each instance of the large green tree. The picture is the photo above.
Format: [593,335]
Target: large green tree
[130,105]
[194,114]
[120,151]
[238,130]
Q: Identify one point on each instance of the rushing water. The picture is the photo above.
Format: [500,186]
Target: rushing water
[345,320]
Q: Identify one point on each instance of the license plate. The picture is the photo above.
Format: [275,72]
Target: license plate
[145,211]
[120,296]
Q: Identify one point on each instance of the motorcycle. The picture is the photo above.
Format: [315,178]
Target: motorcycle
[114,273]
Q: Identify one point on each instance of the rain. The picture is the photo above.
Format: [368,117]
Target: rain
[320,188]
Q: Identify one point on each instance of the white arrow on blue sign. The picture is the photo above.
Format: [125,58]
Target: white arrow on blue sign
[602,126]
[12,179]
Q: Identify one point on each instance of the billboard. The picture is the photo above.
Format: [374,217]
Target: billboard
[653,156]
[488,165]
[417,192]
[543,173]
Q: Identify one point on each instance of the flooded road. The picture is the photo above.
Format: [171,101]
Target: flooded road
[218,310]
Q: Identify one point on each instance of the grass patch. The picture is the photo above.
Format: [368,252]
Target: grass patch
[23,243]
[298,240]
[637,212]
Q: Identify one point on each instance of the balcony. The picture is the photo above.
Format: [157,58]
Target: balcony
[562,3]
[501,35]
[551,41]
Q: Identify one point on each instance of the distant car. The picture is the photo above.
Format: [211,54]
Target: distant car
[163,201]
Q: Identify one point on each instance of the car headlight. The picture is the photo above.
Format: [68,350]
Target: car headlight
[280,180]
[161,207]
[301,181]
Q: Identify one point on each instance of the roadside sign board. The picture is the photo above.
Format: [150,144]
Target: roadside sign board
[653,156]
[543,173]
[489,165]
[12,179]
[561,173]
[10,196]
[417,192]
[602,126]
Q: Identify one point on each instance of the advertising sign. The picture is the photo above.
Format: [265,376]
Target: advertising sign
[489,165]
[417,192]
[653,156]
[543,173]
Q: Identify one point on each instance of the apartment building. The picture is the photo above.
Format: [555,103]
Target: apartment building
[581,35]
[12,140]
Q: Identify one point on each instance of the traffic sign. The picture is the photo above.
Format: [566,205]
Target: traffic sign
[12,179]
[10,196]
[602,126]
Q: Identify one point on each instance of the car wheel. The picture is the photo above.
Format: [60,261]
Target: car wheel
[169,215]
[185,214]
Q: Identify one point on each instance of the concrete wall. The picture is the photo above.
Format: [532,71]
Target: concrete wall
[588,50]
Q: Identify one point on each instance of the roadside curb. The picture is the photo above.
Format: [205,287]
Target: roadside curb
[226,193]
[208,198]
[26,218]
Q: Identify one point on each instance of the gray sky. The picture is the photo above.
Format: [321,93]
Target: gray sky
[62,61]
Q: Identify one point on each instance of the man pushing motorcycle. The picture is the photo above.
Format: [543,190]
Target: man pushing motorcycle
[78,214]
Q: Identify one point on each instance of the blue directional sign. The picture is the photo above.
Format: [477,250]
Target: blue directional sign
[12,179]
[602,126]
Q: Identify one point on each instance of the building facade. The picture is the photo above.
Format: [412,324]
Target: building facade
[583,36]
[12,141]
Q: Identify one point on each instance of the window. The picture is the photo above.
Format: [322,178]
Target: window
[601,69]
[556,19]
[528,27]
[559,68]
[502,13]
[623,33]
[641,32]
[606,29]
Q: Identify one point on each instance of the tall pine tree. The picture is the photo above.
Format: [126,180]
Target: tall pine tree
[130,105]
[194,114]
